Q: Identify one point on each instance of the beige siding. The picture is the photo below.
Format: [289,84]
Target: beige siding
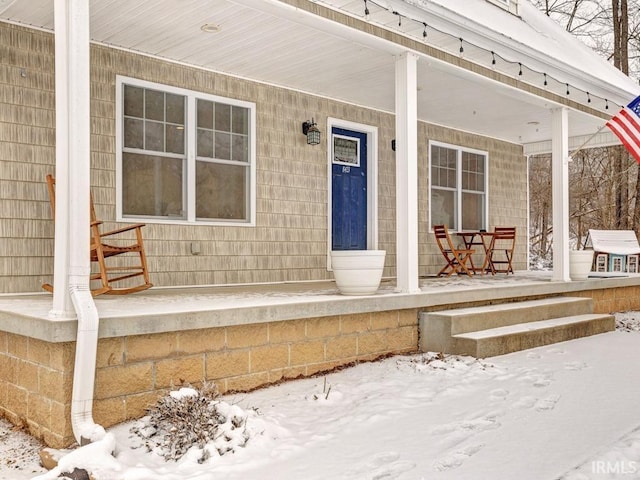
[288,242]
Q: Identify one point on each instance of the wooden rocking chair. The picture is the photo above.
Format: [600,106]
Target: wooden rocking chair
[456,258]
[135,266]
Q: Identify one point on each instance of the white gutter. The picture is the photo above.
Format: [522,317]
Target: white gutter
[72,57]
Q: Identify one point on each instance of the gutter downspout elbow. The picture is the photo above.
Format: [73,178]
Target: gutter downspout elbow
[85,430]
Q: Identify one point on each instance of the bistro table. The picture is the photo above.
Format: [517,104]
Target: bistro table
[482,238]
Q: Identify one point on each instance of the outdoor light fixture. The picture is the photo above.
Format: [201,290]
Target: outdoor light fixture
[310,129]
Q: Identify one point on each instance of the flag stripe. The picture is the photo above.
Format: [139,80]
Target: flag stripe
[627,141]
[626,126]
[628,123]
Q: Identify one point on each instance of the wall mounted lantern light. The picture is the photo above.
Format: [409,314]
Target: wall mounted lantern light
[310,129]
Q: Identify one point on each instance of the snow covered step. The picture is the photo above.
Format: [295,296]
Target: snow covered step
[507,327]
[522,336]
[491,316]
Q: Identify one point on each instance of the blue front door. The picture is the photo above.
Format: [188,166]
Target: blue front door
[349,190]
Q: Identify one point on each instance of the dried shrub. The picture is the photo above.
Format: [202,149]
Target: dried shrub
[190,418]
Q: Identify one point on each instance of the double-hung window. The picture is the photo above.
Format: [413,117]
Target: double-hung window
[183,156]
[458,187]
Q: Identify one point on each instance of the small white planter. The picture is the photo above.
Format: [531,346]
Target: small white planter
[580,262]
[357,272]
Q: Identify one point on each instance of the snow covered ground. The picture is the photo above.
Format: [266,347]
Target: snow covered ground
[569,411]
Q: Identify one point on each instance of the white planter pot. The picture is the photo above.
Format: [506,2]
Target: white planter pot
[357,272]
[580,262]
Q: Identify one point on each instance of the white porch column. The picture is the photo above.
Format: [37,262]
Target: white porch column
[72,151]
[407,173]
[560,192]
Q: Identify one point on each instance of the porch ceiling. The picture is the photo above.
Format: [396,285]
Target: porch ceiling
[276,43]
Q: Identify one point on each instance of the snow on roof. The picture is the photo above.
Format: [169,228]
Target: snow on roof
[531,33]
[621,242]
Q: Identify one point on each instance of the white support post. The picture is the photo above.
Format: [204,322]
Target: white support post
[560,193]
[407,173]
[79,141]
[72,218]
[62,306]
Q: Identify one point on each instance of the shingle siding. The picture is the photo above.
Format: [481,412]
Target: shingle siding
[288,242]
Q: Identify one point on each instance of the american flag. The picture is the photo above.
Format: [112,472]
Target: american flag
[626,125]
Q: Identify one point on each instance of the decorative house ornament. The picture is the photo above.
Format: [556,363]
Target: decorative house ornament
[615,250]
[310,129]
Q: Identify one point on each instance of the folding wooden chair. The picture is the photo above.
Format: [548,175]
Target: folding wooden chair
[131,266]
[503,243]
[456,258]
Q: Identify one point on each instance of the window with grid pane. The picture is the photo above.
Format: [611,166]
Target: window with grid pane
[184,155]
[457,187]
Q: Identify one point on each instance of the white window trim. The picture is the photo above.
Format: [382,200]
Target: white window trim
[190,176]
[459,190]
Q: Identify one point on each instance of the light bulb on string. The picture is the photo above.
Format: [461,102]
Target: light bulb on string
[461,48]
[366,10]
[606,104]
[493,60]
[424,32]
[588,98]
[568,92]
[545,79]
[520,71]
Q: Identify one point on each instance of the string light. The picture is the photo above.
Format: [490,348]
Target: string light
[493,53]
[399,18]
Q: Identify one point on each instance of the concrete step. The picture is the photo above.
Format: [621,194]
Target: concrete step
[503,328]
[492,316]
[513,338]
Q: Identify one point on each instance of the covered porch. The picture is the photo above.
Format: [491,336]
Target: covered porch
[240,337]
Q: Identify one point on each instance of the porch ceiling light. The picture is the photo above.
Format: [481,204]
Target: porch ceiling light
[310,129]
[210,28]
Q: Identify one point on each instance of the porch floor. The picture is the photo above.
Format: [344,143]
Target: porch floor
[163,309]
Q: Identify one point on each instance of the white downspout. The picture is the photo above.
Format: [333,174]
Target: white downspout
[72,28]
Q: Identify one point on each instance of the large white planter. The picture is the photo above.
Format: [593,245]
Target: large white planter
[357,272]
[580,262]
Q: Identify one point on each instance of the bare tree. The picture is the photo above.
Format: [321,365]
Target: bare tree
[601,178]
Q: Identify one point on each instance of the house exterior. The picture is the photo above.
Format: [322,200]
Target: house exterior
[188,118]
